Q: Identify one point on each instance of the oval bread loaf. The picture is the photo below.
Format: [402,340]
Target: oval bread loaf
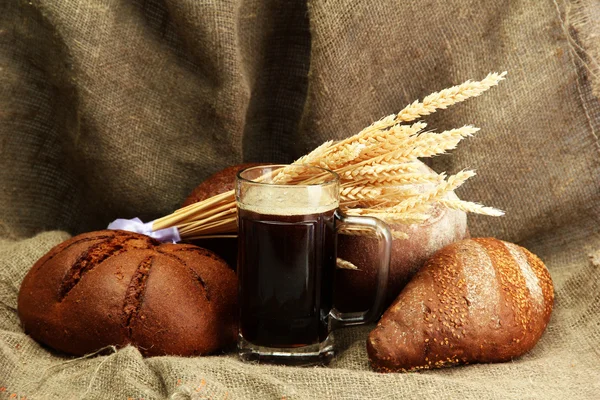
[117,288]
[475,301]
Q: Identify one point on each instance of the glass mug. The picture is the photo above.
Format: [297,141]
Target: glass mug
[286,264]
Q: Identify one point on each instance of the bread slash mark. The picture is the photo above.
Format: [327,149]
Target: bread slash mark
[199,250]
[197,278]
[135,293]
[76,242]
[98,253]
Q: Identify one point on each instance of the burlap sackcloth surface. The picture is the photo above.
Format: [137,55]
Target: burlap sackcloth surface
[118,108]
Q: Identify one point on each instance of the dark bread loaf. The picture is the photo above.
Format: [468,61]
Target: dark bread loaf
[476,301]
[355,289]
[117,288]
[220,182]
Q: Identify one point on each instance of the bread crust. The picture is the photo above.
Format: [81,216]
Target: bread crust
[117,288]
[475,301]
[220,182]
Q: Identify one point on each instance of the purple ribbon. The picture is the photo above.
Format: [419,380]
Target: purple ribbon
[136,225]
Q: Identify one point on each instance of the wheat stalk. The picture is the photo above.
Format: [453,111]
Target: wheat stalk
[381,142]
[344,156]
[427,144]
[378,170]
[312,158]
[437,100]
[437,193]
[471,207]
[447,97]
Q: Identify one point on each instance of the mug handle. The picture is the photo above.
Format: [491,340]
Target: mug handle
[385,248]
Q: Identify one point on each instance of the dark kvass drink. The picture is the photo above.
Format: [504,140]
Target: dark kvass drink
[285,271]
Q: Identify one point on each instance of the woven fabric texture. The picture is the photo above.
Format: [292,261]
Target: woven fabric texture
[118,108]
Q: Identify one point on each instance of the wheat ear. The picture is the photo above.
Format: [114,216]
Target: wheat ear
[382,140]
[426,144]
[286,174]
[468,206]
[438,100]
[441,190]
[447,97]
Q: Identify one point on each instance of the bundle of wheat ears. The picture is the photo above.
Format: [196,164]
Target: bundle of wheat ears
[378,169]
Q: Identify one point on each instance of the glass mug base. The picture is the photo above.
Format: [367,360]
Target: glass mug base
[316,354]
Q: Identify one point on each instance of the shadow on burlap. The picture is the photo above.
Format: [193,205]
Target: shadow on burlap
[119,109]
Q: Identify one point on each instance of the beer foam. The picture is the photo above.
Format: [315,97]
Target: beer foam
[289,201]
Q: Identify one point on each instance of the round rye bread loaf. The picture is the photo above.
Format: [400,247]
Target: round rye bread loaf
[475,301]
[220,182]
[117,288]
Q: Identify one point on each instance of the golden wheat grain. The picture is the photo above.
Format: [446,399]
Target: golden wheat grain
[382,197]
[414,178]
[313,158]
[379,142]
[316,154]
[373,171]
[426,144]
[437,100]
[374,204]
[344,264]
[341,157]
[429,144]
[391,214]
[376,126]
[362,193]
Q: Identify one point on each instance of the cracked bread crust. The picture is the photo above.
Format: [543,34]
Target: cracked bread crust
[118,288]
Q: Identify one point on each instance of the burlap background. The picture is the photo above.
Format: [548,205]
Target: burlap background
[117,108]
